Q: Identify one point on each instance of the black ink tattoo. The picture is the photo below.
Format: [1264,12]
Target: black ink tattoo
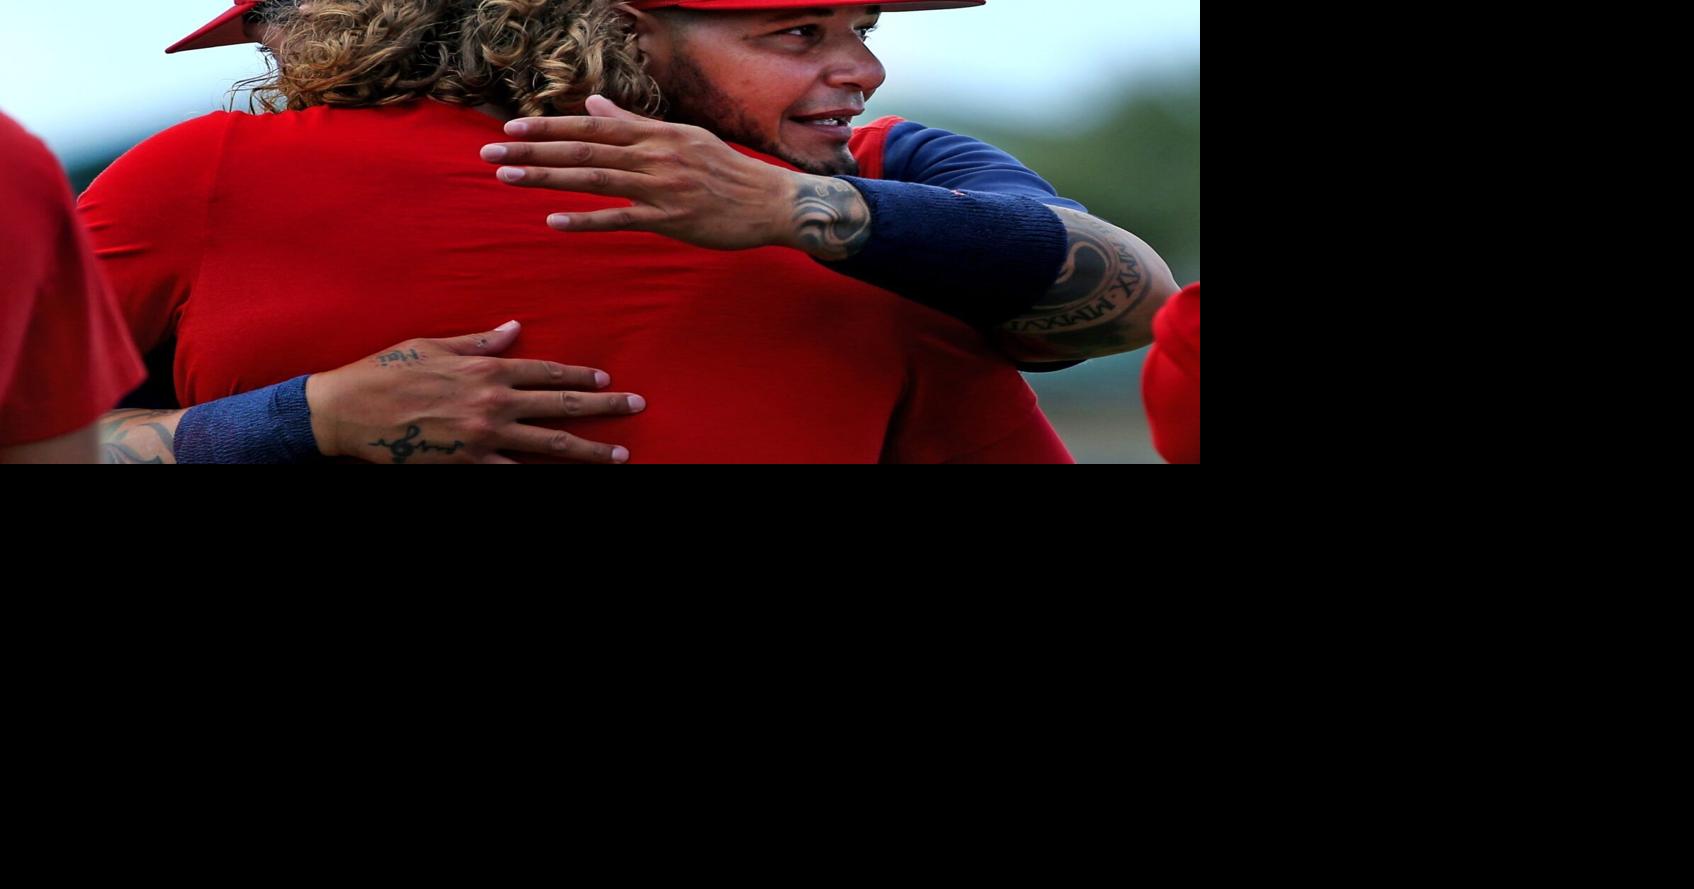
[398,357]
[403,449]
[1090,307]
[831,219]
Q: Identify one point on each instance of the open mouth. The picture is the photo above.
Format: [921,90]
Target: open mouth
[836,123]
[825,121]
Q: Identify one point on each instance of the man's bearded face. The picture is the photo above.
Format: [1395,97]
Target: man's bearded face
[786,83]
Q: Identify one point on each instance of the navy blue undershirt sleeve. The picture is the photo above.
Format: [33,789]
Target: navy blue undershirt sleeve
[930,156]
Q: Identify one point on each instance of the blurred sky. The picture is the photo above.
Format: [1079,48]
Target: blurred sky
[91,77]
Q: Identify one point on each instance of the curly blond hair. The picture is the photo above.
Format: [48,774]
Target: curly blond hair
[534,57]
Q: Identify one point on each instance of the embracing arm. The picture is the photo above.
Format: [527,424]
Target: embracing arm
[1053,283]
[1100,301]
[420,401]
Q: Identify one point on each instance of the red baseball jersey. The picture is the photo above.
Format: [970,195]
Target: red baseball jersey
[269,246]
[65,355]
[1171,381]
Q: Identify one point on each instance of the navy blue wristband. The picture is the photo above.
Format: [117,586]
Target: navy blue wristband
[982,258]
[269,425]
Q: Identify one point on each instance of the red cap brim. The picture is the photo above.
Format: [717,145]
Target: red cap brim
[229,29]
[753,5]
[225,30]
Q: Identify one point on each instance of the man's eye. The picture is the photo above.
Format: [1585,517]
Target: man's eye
[866,32]
[807,31]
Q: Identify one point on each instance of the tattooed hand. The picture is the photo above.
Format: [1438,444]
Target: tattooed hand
[683,182]
[448,401]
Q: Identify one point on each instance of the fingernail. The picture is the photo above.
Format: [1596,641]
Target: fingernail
[517,127]
[494,152]
[511,174]
[602,379]
[509,325]
[559,220]
[637,404]
[620,455]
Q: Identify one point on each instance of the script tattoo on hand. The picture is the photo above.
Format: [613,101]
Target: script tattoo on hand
[1103,282]
[117,447]
[832,222]
[403,449]
[398,357]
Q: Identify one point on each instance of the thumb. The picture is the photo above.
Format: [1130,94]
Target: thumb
[489,343]
[600,106]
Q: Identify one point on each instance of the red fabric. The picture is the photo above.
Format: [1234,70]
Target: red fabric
[1171,381]
[277,245]
[868,144]
[65,356]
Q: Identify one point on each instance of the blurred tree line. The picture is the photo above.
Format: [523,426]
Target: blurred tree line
[1138,167]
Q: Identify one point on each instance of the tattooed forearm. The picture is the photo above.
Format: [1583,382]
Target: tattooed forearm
[403,449]
[139,436]
[1102,303]
[832,222]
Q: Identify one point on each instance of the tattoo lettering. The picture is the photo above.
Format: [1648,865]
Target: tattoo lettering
[1103,282]
[403,449]
[831,219]
[398,357]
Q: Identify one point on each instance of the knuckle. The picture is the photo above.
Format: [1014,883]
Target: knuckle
[491,401]
[561,443]
[572,404]
[582,153]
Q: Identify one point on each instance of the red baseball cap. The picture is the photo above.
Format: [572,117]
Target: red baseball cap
[746,5]
[229,29]
[225,30]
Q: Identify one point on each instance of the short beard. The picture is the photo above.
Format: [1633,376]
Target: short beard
[694,100]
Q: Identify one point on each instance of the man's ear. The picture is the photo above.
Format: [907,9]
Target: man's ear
[655,38]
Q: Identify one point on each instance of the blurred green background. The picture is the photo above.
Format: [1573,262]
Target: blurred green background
[1101,97]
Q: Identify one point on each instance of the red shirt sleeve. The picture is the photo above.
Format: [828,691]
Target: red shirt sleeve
[65,356]
[147,216]
[1171,381]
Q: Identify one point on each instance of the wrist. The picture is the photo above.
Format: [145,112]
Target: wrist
[320,398]
[784,225]
[827,218]
[269,425]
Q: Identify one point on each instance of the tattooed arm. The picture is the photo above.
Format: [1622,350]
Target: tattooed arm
[830,219]
[1102,302]
[1105,284]
[139,436]
[420,401]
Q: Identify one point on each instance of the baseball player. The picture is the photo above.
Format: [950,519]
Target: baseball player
[65,357]
[933,216]
[980,240]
